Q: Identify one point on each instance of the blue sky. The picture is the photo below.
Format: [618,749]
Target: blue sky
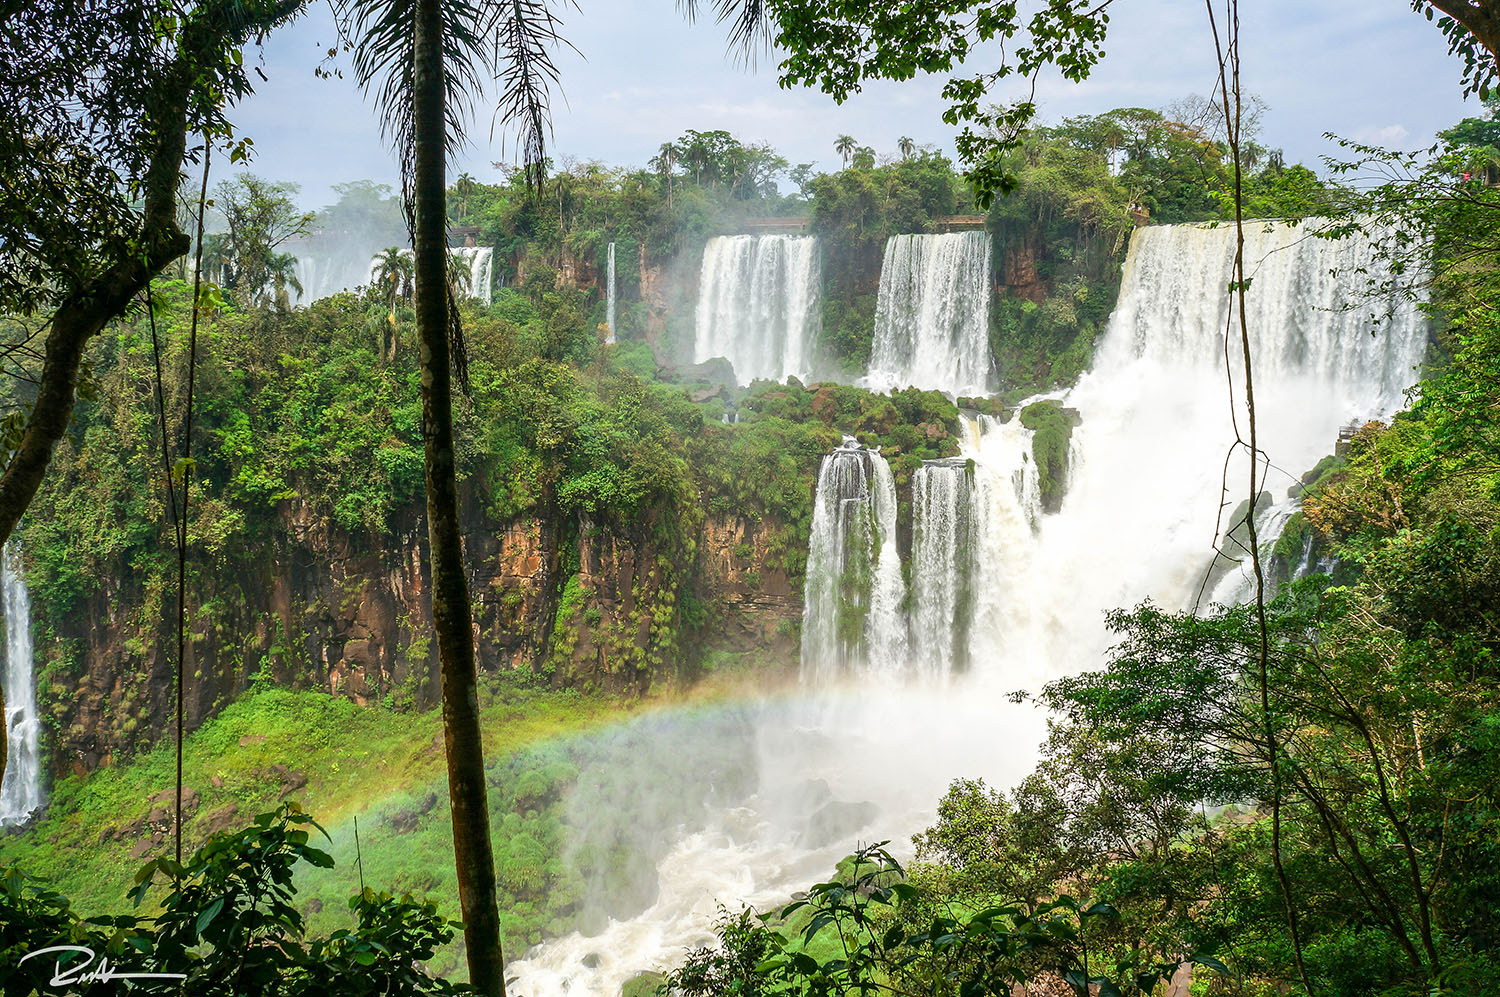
[1367,69]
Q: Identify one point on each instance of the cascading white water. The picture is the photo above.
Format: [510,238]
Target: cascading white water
[932,315]
[481,270]
[609,308]
[323,273]
[853,590]
[1147,464]
[21,790]
[758,305]
[1137,522]
[942,569]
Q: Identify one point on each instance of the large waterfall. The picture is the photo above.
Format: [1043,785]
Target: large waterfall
[1002,597]
[21,790]
[932,315]
[758,305]
[853,587]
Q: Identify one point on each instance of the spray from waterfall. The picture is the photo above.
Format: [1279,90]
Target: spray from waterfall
[21,790]
[758,305]
[932,314]
[609,308]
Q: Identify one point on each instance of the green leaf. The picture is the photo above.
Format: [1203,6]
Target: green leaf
[1200,959]
[206,917]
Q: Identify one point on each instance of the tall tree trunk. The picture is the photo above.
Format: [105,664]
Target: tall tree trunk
[451,613]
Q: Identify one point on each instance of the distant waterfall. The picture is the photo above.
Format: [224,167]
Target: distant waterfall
[852,617]
[932,315]
[609,308]
[481,270]
[758,305]
[21,790]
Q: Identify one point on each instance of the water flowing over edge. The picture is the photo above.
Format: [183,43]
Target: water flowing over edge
[759,305]
[932,314]
[322,275]
[609,309]
[21,790]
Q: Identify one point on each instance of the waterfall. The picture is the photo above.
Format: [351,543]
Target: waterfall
[932,314]
[853,590]
[758,305]
[995,584]
[21,790]
[481,270]
[1138,521]
[943,565]
[609,309]
[1309,311]
[323,272]
[1325,353]
[321,276]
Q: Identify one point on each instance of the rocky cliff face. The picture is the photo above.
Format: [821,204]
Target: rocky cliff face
[570,604]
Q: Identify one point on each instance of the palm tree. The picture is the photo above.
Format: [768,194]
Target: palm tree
[463,188]
[393,272]
[281,269]
[460,276]
[906,145]
[424,60]
[845,145]
[665,162]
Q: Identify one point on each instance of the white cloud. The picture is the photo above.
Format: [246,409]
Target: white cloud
[1391,136]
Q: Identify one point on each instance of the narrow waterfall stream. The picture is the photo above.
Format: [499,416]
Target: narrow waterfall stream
[758,305]
[609,308]
[21,790]
[905,686]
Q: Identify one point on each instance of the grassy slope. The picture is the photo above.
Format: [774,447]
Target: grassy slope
[383,767]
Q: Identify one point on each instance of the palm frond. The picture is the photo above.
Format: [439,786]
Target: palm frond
[525,33]
[750,22]
[384,60]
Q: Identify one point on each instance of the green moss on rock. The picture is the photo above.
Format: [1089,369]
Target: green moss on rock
[1052,426]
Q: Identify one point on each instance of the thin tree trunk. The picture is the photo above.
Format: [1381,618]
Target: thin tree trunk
[451,614]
